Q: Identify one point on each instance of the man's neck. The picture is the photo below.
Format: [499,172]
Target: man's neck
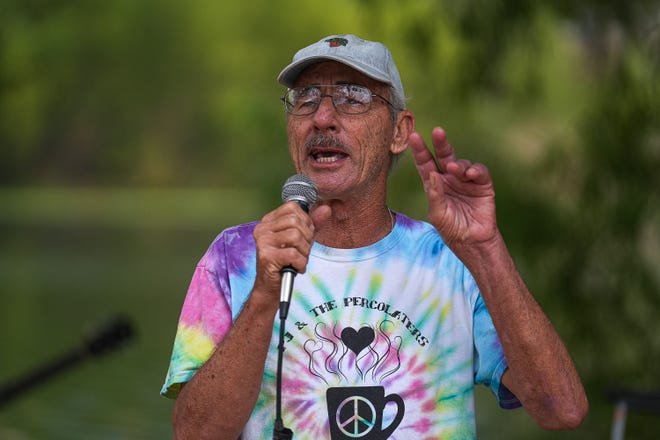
[353,225]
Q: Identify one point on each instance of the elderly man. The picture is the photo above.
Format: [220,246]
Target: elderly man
[393,320]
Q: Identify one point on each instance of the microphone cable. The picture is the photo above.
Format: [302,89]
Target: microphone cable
[280,432]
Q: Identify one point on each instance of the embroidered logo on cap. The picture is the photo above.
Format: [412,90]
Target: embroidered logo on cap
[336,42]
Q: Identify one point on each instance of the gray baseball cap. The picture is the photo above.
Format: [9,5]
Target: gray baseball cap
[369,57]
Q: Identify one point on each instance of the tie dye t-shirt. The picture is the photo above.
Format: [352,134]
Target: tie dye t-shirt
[385,341]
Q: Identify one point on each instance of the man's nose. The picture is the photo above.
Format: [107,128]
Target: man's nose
[326,113]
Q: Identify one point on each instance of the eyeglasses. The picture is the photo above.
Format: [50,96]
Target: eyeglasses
[350,99]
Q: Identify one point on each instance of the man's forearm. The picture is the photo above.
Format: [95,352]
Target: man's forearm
[219,399]
[541,372]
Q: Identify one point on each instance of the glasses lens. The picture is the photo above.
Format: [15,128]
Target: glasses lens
[302,100]
[352,99]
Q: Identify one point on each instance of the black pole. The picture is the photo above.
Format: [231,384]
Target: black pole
[105,339]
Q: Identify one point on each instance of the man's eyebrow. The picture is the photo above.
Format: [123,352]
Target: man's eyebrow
[338,83]
[350,83]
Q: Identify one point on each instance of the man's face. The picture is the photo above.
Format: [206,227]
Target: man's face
[342,153]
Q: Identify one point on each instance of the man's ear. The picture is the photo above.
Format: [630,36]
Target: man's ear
[403,128]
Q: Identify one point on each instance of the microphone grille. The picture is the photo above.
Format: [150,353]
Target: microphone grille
[301,189]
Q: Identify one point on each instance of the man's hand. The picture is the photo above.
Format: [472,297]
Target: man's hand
[460,194]
[283,237]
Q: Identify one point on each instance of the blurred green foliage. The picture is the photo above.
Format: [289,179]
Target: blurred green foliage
[561,100]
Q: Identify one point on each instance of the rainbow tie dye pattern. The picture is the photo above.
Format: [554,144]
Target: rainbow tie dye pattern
[385,341]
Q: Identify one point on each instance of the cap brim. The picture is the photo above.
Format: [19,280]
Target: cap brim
[289,75]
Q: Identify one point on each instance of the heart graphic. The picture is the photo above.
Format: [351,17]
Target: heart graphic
[357,341]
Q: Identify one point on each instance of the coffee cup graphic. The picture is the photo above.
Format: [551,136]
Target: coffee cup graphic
[357,412]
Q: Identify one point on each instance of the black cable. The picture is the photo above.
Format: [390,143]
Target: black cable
[280,432]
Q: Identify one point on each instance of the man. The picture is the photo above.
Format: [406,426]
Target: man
[392,320]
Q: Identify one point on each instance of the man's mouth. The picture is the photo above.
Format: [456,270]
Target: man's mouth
[327,155]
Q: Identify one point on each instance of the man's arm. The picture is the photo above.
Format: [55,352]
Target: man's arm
[462,208]
[541,372]
[217,402]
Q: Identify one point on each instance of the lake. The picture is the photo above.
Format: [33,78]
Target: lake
[70,261]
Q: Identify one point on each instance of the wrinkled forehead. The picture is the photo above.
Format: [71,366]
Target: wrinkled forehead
[333,72]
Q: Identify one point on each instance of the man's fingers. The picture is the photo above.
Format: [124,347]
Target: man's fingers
[478,173]
[466,171]
[320,214]
[283,248]
[443,150]
[289,215]
[423,157]
[284,237]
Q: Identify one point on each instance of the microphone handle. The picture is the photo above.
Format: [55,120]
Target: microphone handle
[288,274]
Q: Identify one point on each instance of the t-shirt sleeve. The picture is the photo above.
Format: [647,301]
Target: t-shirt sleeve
[205,319]
[489,360]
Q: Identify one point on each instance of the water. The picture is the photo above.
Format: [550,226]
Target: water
[56,286]
[64,271]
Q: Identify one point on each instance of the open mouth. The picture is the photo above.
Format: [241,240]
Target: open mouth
[327,155]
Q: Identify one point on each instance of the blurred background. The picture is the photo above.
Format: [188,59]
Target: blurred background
[132,132]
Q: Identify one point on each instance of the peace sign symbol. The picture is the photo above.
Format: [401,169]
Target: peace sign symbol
[356,426]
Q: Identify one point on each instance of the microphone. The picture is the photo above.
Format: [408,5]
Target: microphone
[299,189]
